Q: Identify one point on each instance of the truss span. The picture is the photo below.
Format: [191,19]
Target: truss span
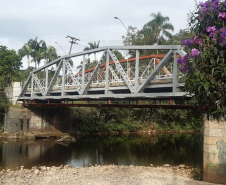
[147,77]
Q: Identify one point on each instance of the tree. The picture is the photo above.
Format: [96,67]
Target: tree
[25,51]
[159,25]
[93,45]
[10,63]
[3,107]
[179,38]
[118,55]
[50,54]
[38,50]
[204,66]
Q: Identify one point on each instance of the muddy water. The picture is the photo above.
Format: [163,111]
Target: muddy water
[173,149]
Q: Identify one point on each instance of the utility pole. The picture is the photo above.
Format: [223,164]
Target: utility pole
[73,41]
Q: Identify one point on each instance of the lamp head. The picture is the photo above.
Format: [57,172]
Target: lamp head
[116,17]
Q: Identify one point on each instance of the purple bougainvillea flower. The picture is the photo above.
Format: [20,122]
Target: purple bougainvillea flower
[195,52]
[212,34]
[215,4]
[179,61]
[184,63]
[183,69]
[211,29]
[222,38]
[196,40]
[215,1]
[204,7]
[185,59]
[200,18]
[187,42]
[222,15]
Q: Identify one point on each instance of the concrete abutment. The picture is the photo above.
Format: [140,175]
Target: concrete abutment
[214,151]
[51,120]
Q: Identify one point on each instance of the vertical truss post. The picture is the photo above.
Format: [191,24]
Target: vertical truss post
[137,70]
[107,74]
[175,84]
[129,70]
[83,72]
[32,84]
[63,79]
[46,83]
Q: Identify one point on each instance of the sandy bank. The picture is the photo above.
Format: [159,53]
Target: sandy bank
[100,175]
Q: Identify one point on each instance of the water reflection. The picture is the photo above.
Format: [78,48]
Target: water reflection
[144,150]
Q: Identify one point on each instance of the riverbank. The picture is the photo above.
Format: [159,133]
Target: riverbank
[52,135]
[98,175]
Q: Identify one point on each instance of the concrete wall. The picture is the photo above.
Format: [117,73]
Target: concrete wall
[51,120]
[214,154]
[13,92]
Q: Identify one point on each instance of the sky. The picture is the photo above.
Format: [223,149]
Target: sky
[87,20]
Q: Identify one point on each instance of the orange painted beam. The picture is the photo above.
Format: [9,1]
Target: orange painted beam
[125,60]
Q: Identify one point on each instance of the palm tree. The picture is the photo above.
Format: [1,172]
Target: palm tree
[93,45]
[25,50]
[50,54]
[159,25]
[38,50]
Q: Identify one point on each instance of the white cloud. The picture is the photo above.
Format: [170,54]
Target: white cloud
[53,20]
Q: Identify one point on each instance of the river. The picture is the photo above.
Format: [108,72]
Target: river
[139,150]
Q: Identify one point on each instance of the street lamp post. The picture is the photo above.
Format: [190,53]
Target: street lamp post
[127,52]
[122,23]
[61,47]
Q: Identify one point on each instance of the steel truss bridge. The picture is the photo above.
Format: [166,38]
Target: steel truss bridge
[142,77]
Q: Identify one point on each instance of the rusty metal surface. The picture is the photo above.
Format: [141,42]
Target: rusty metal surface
[110,105]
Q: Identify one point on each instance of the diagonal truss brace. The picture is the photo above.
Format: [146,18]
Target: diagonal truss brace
[74,79]
[122,72]
[155,71]
[147,68]
[113,73]
[54,78]
[181,52]
[94,73]
[26,85]
[39,84]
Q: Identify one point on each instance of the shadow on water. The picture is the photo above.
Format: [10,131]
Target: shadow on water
[139,150]
[143,150]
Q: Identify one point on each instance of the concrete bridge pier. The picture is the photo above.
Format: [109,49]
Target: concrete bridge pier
[214,151]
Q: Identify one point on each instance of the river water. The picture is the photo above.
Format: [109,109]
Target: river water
[139,150]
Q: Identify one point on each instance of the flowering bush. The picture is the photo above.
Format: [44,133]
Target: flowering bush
[204,67]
